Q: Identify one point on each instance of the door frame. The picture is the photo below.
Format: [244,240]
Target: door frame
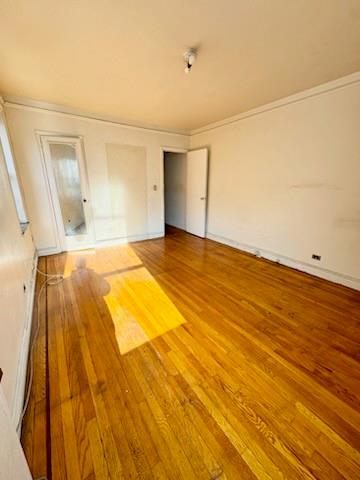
[163,150]
[44,139]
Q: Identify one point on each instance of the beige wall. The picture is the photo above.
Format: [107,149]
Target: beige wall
[175,189]
[286,182]
[24,123]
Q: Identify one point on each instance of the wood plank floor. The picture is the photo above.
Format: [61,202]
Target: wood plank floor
[180,358]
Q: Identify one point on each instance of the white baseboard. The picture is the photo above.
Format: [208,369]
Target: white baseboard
[24,350]
[43,252]
[335,277]
[132,238]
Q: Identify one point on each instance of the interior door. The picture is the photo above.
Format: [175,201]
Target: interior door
[196,191]
[68,185]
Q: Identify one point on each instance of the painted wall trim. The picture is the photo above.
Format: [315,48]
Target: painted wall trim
[335,277]
[42,252]
[54,109]
[21,374]
[128,239]
[283,102]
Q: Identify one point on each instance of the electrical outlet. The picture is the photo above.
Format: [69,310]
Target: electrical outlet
[316,257]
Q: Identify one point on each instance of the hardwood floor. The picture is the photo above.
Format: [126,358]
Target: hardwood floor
[181,358]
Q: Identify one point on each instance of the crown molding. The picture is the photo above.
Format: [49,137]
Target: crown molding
[55,109]
[296,97]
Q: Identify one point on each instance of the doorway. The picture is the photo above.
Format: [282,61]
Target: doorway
[185,190]
[65,168]
[175,189]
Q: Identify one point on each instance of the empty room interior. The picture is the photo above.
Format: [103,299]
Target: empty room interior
[180,240]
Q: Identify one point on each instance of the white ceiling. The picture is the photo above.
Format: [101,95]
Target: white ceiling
[123,58]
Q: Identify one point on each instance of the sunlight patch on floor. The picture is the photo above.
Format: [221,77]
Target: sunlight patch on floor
[140,309]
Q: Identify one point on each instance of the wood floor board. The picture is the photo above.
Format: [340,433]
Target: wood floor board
[181,358]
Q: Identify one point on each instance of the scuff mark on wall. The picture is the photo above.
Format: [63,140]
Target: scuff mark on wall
[315,185]
[348,222]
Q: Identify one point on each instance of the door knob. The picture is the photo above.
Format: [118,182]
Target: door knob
[202,198]
[84,200]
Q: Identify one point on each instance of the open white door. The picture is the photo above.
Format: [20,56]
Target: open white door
[196,191]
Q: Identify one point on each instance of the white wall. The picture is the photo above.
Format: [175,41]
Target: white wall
[286,182]
[13,465]
[128,188]
[175,189]
[25,122]
[16,272]
[16,262]
[284,179]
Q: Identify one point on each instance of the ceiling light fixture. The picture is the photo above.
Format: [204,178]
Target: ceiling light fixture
[189,58]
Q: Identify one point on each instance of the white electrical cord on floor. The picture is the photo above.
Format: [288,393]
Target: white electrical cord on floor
[51,279]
